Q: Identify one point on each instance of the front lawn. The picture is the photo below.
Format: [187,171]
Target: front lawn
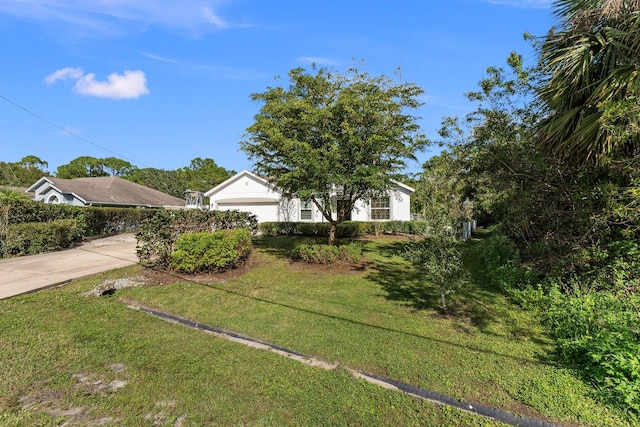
[88,360]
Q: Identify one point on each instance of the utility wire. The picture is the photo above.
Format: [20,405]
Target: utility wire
[50,123]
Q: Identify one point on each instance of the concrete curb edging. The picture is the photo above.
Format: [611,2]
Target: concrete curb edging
[388,383]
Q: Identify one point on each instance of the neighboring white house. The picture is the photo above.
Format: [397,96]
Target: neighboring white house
[101,191]
[249,192]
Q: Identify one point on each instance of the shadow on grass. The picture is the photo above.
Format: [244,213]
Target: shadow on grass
[479,303]
[533,360]
[279,246]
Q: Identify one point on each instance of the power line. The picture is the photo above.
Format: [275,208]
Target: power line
[81,138]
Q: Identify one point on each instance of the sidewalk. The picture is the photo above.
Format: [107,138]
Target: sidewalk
[31,273]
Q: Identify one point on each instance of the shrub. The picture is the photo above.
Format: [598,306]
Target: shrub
[438,261]
[211,251]
[504,268]
[318,253]
[99,220]
[346,229]
[598,333]
[157,235]
[269,228]
[39,237]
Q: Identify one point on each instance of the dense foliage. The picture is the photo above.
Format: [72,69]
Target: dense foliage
[23,173]
[438,261]
[348,229]
[550,158]
[211,250]
[316,253]
[157,235]
[201,174]
[32,238]
[28,227]
[334,139]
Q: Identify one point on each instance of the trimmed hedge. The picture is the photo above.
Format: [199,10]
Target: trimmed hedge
[38,237]
[88,221]
[346,229]
[157,235]
[211,251]
[318,253]
[93,220]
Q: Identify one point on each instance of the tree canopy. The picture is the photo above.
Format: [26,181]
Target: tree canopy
[23,173]
[330,137]
[592,88]
[82,167]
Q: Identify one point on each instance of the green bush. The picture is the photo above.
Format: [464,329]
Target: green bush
[93,220]
[39,237]
[504,268]
[598,333]
[318,253]
[269,229]
[346,229]
[99,220]
[211,251]
[158,234]
[438,262]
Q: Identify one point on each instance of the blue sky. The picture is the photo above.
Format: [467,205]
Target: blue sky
[160,82]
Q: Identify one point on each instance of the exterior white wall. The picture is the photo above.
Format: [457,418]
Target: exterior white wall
[250,193]
[399,209]
[401,204]
[246,193]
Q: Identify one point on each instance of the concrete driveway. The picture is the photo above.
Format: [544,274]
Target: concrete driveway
[35,272]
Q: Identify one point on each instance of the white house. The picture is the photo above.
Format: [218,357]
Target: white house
[249,192]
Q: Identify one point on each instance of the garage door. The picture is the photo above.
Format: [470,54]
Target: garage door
[265,212]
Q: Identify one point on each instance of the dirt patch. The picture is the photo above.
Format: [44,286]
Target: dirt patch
[51,401]
[157,276]
[109,287]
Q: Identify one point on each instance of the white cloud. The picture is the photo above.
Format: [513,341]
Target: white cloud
[117,17]
[64,74]
[526,4]
[130,84]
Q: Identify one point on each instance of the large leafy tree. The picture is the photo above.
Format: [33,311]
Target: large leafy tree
[82,167]
[333,138]
[440,190]
[23,173]
[167,181]
[117,167]
[203,174]
[592,90]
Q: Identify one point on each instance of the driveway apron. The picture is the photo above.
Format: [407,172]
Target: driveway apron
[31,273]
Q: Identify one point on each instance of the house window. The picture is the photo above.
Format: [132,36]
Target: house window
[53,199]
[305,210]
[380,208]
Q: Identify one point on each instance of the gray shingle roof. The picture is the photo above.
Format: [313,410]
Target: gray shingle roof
[114,191]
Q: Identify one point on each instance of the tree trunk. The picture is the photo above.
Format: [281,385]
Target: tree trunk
[332,233]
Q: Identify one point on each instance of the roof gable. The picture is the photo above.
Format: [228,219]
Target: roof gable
[108,190]
[246,175]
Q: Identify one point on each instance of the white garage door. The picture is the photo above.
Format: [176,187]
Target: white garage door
[266,212]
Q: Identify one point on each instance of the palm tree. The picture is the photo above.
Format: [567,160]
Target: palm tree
[592,90]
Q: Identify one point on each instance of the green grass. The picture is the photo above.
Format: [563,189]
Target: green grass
[60,349]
